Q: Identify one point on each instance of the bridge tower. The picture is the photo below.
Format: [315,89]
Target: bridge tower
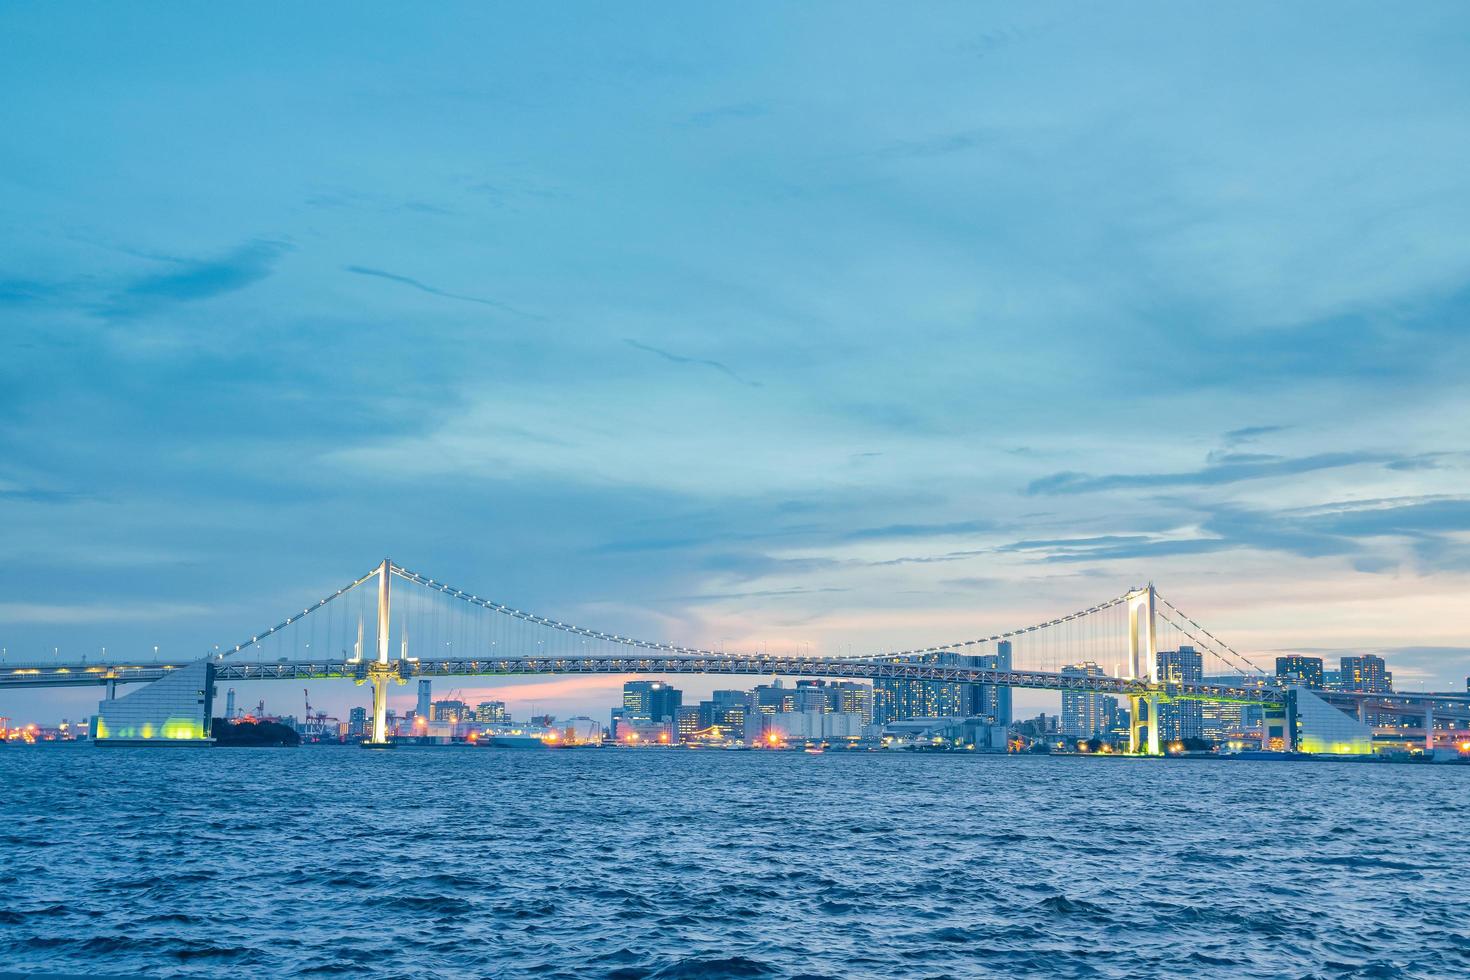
[1143,665]
[380,672]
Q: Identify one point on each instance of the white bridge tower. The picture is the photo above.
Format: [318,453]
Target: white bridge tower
[1143,665]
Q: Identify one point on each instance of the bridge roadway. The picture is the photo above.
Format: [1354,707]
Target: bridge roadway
[47,675]
[840,668]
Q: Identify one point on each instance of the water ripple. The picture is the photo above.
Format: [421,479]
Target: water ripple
[644,864]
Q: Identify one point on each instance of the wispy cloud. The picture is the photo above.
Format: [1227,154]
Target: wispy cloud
[196,279]
[1229,469]
[673,358]
[1251,433]
[17,613]
[1429,526]
[424,287]
[20,292]
[921,530]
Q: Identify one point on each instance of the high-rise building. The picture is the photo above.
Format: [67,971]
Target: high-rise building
[450,710]
[1222,720]
[1302,670]
[895,699]
[1086,713]
[849,697]
[994,700]
[491,712]
[686,722]
[812,696]
[1365,673]
[357,722]
[774,696]
[423,710]
[1182,719]
[654,701]
[726,710]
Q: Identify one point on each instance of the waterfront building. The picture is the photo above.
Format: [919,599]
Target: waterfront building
[1301,670]
[449,710]
[356,722]
[1182,719]
[1221,721]
[1084,713]
[422,709]
[727,711]
[686,722]
[633,730]
[815,726]
[492,713]
[895,699]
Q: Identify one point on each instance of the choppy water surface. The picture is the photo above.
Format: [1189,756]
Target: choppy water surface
[628,864]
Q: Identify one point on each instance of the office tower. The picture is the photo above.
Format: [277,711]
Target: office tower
[773,697]
[993,700]
[357,722]
[1300,670]
[813,696]
[727,710]
[491,713]
[653,701]
[423,710]
[1366,673]
[451,711]
[686,722]
[1086,713]
[849,697]
[1182,719]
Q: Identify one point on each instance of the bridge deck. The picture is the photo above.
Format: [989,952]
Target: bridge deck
[75,675]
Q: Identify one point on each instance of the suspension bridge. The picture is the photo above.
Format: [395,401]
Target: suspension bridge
[425,628]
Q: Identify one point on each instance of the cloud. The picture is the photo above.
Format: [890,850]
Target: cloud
[435,291]
[20,292]
[1230,469]
[17,613]
[681,359]
[196,279]
[920,530]
[1428,525]
[1251,433]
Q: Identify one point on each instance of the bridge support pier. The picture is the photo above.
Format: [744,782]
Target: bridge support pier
[380,672]
[1143,727]
[1429,728]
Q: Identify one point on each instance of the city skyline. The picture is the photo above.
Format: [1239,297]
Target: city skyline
[729,353]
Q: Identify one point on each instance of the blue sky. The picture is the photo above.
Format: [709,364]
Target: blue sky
[821,324]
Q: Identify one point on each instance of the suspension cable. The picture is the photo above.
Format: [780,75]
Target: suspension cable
[255,640]
[1079,614]
[555,624]
[1217,641]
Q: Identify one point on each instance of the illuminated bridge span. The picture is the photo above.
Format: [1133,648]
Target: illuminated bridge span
[833,667]
[425,628]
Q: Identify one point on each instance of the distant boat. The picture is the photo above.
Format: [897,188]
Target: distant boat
[814,751]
